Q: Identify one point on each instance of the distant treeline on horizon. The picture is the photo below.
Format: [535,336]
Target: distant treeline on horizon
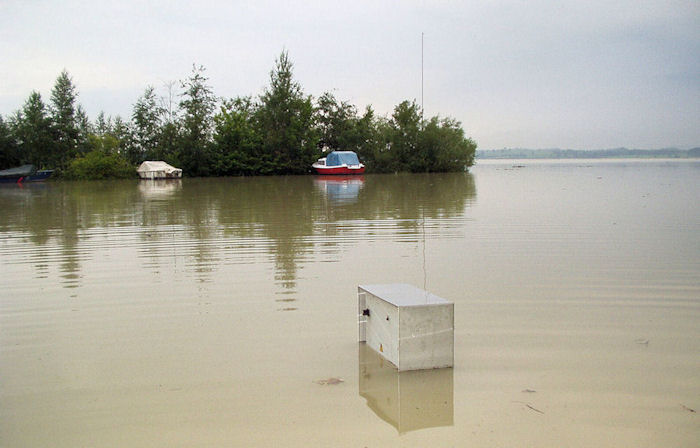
[522,153]
[280,131]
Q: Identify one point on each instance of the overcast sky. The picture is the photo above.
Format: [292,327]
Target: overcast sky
[537,74]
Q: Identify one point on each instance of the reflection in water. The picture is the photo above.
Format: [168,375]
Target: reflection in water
[408,400]
[340,189]
[203,223]
[160,188]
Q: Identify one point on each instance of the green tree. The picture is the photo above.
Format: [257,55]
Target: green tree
[103,124]
[9,153]
[336,124]
[372,140]
[33,130]
[444,147]
[64,121]
[407,143]
[239,145]
[146,119]
[84,130]
[405,126]
[121,131]
[105,144]
[340,128]
[285,121]
[197,105]
[169,135]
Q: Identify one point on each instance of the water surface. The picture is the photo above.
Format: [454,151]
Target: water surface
[208,312]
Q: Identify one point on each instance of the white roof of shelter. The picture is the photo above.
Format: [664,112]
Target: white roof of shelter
[156,166]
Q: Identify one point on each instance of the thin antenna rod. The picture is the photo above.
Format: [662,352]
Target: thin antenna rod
[425,271]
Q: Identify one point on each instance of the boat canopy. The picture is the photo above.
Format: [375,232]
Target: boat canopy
[157,166]
[24,170]
[337,158]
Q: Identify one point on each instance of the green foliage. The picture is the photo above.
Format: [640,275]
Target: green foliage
[336,123]
[103,125]
[34,133]
[444,146]
[107,144]
[285,122]
[9,152]
[168,142]
[198,102]
[407,143]
[146,119]
[65,122]
[99,165]
[238,141]
[84,129]
[283,131]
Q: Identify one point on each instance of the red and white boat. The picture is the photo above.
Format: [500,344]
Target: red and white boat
[339,162]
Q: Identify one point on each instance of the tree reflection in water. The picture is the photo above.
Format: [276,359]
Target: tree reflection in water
[229,220]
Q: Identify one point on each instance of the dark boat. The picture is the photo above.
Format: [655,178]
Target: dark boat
[24,173]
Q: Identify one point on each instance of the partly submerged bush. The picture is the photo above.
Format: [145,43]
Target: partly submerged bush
[98,165]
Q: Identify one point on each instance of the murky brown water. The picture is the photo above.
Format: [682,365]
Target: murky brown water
[208,312]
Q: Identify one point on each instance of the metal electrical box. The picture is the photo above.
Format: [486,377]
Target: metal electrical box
[411,328]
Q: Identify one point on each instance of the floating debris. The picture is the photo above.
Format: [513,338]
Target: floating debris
[330,381]
[291,308]
[529,391]
[687,408]
[529,406]
[642,341]
[534,409]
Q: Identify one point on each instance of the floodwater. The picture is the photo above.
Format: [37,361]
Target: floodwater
[223,312]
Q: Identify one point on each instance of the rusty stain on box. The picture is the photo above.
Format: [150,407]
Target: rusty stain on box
[410,327]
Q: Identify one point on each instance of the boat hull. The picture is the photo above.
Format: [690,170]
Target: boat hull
[339,170]
[160,176]
[38,176]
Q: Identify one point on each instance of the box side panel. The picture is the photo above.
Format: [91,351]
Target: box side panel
[426,338]
[382,332]
[361,318]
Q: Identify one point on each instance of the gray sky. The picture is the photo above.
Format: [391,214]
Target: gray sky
[537,74]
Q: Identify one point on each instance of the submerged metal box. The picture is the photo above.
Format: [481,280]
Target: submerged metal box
[411,328]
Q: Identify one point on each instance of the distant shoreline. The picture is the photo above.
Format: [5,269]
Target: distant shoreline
[521,153]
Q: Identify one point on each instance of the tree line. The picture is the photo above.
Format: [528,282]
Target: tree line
[280,131]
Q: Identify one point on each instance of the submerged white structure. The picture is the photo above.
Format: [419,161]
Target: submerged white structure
[411,328]
[158,170]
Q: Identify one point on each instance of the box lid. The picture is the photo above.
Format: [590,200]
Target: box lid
[402,294]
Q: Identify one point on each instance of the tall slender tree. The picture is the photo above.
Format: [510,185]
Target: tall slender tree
[122,132]
[197,104]
[285,120]
[103,124]
[33,131]
[146,119]
[64,120]
[84,130]
[405,128]
[8,146]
